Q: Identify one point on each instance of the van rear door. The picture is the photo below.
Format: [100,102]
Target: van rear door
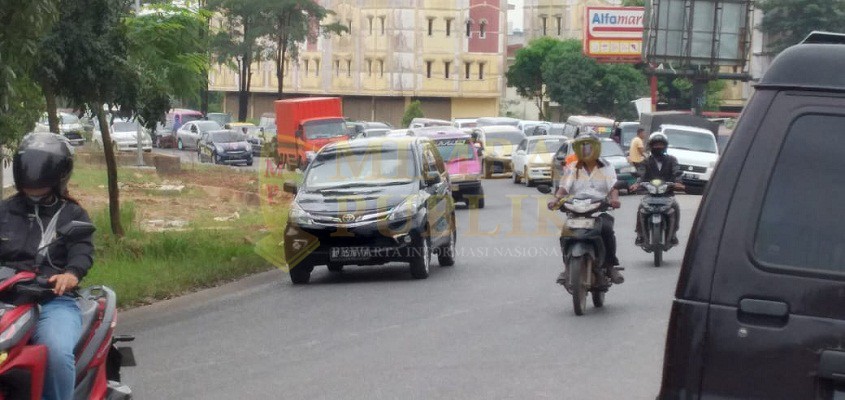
[776,322]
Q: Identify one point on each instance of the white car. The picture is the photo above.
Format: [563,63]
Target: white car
[697,153]
[124,136]
[69,126]
[532,161]
[463,123]
[188,135]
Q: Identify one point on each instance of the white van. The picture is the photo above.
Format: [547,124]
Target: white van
[697,153]
[578,124]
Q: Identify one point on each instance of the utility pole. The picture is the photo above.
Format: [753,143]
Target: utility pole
[140,129]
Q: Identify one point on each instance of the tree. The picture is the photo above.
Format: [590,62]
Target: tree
[526,76]
[245,27]
[633,3]
[89,49]
[414,110]
[582,85]
[677,93]
[294,21]
[788,22]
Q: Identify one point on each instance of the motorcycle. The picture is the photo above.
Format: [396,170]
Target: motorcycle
[656,218]
[98,358]
[583,249]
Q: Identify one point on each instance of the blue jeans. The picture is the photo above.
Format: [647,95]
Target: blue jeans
[59,328]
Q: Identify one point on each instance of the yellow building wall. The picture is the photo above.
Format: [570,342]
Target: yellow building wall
[474,108]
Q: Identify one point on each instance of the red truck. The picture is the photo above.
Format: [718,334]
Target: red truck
[304,125]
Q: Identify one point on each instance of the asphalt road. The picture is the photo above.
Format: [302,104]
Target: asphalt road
[495,326]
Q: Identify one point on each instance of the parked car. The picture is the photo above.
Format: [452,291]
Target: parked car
[758,310]
[400,133]
[580,124]
[533,158]
[394,206]
[697,153]
[462,123]
[462,163]
[255,135]
[427,122]
[499,143]
[69,126]
[496,121]
[610,152]
[554,129]
[528,127]
[629,132]
[268,122]
[124,135]
[221,118]
[174,120]
[225,147]
[189,134]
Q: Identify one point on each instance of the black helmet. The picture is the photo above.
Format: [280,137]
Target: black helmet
[657,137]
[43,160]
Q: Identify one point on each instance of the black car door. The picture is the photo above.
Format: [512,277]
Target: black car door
[440,196]
[776,320]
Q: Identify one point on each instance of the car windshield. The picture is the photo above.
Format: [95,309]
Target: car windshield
[376,132]
[609,148]
[123,126]
[365,166]
[226,137]
[325,129]
[191,118]
[455,149]
[556,130]
[688,140]
[68,119]
[205,126]
[628,133]
[544,146]
[504,138]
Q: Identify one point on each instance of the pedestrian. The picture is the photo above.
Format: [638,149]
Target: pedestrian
[636,153]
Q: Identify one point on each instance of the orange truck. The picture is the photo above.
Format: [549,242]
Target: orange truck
[304,125]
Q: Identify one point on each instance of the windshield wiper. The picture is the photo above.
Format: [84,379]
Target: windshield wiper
[355,185]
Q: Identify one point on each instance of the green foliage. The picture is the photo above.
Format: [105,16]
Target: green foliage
[633,3]
[23,24]
[526,74]
[677,93]
[788,22]
[414,110]
[582,85]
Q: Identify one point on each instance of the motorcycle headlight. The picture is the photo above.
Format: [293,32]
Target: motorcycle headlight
[406,209]
[299,216]
[581,207]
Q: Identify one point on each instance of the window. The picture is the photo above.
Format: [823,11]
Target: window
[448,27]
[370,67]
[446,67]
[317,67]
[306,67]
[482,29]
[559,25]
[544,23]
[370,20]
[468,67]
[428,69]
[801,219]
[481,71]
[349,68]
[349,25]
[430,26]
[381,19]
[337,67]
[380,68]
[469,29]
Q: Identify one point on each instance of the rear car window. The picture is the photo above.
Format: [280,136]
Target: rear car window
[800,222]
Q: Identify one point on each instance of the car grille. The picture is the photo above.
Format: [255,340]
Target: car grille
[693,168]
[73,135]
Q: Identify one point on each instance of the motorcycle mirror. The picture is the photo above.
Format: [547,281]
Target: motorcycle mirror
[76,230]
[544,189]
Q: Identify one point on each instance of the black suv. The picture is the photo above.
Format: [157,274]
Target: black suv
[370,202]
[760,303]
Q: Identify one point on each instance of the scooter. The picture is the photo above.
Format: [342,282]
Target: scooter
[657,218]
[583,249]
[98,359]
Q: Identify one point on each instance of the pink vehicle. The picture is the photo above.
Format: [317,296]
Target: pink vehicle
[462,163]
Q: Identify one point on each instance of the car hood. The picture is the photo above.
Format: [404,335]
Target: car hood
[231,146]
[126,136]
[503,150]
[689,157]
[463,167]
[617,161]
[363,200]
[540,159]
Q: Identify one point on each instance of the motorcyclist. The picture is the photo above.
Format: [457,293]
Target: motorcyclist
[595,177]
[659,165]
[42,167]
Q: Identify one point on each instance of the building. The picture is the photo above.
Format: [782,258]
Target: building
[560,19]
[449,54]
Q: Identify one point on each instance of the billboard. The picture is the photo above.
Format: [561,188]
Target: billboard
[614,33]
[697,32]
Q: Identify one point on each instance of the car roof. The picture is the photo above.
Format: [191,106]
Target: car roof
[499,128]
[807,66]
[445,134]
[686,128]
[628,123]
[408,141]
[544,137]
[240,124]
[590,119]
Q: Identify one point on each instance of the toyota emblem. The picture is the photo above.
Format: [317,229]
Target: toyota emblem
[347,218]
[690,168]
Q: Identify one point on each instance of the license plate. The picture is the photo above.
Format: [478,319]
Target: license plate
[655,219]
[351,253]
[455,188]
[690,177]
[580,223]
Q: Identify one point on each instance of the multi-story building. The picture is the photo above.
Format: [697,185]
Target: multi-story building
[561,19]
[450,54]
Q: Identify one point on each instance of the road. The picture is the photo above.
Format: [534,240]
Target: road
[495,326]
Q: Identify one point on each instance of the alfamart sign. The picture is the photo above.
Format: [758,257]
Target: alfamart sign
[614,33]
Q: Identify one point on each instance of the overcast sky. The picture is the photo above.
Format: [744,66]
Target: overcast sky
[515,16]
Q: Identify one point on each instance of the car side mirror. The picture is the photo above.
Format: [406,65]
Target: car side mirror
[432,178]
[544,189]
[76,230]
[290,187]
[560,157]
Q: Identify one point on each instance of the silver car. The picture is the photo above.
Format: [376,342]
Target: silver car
[188,136]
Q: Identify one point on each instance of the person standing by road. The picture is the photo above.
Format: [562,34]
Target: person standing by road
[636,153]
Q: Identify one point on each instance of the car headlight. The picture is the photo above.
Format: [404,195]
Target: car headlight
[299,216]
[472,177]
[249,148]
[712,164]
[628,170]
[406,209]
[581,207]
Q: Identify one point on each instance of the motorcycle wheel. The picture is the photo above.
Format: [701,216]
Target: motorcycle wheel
[598,299]
[577,277]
